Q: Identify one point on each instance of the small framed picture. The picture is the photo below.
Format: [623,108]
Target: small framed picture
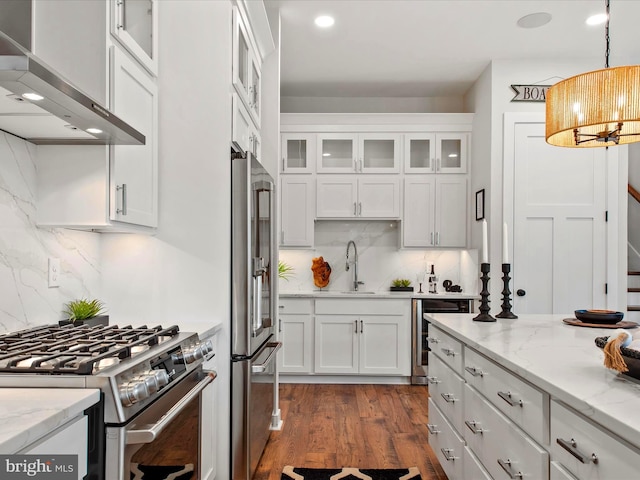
[480,204]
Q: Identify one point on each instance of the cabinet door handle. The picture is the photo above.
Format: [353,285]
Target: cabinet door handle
[448,352]
[359,209]
[361,326]
[433,380]
[281,306]
[439,165]
[123,189]
[432,429]
[476,372]
[283,168]
[506,466]
[355,209]
[431,238]
[433,164]
[448,454]
[506,396]
[433,340]
[356,325]
[473,426]
[448,397]
[572,447]
[438,238]
[279,324]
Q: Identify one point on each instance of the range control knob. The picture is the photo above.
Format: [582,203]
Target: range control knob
[150,380]
[193,353]
[162,377]
[207,347]
[133,392]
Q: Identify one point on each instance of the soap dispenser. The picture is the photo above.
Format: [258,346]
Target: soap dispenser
[433,280]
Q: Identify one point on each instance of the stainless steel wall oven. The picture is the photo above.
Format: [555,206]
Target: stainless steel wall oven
[420,330]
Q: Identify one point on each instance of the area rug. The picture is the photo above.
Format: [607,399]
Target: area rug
[295,473]
[161,472]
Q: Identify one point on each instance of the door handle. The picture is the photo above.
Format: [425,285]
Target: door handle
[572,447]
[521,293]
[261,367]
[122,188]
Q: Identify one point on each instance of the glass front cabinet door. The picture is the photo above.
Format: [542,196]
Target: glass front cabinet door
[337,152]
[298,152]
[378,153]
[246,67]
[135,24]
[435,153]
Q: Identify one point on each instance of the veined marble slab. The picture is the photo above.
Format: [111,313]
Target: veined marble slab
[28,414]
[560,359]
[379,294]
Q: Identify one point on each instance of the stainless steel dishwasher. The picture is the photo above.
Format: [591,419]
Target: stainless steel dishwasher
[420,330]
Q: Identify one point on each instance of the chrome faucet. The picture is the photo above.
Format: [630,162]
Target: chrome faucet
[356,283]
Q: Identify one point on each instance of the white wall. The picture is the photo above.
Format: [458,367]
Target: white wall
[372,105]
[26,300]
[183,272]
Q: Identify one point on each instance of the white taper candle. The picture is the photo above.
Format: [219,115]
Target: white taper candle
[505,244]
[485,247]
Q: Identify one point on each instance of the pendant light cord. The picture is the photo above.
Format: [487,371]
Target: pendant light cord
[606,37]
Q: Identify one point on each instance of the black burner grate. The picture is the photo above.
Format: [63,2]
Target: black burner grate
[74,349]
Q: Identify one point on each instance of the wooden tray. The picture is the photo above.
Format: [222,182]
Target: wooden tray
[578,323]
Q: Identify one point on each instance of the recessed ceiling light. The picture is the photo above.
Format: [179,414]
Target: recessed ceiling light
[534,20]
[324,21]
[32,96]
[598,19]
[94,130]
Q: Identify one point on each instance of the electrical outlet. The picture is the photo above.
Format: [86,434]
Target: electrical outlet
[54,272]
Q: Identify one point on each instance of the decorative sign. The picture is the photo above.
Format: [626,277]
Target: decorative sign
[530,93]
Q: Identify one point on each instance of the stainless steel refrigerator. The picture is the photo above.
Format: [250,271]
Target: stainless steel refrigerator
[254,272]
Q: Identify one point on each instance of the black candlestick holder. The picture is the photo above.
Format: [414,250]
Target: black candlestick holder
[484,315]
[506,293]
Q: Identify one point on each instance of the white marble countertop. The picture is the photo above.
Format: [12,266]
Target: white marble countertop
[28,414]
[561,359]
[378,294]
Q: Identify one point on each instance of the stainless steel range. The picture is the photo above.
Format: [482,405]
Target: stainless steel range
[146,375]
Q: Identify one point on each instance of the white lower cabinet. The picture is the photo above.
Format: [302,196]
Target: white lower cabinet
[558,472]
[358,336]
[473,469]
[504,449]
[295,326]
[446,443]
[70,439]
[446,390]
[586,451]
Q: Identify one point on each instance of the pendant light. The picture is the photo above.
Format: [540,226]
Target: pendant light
[595,109]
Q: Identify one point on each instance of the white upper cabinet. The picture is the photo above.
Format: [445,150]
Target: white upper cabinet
[346,196]
[435,211]
[435,152]
[297,210]
[134,168]
[298,152]
[246,67]
[134,23]
[358,153]
[243,130]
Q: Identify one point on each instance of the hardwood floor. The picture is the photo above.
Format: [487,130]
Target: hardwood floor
[364,426]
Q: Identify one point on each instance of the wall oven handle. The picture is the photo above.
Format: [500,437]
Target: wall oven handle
[148,435]
[263,366]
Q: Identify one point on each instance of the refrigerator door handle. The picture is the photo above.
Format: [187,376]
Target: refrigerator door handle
[261,367]
[257,303]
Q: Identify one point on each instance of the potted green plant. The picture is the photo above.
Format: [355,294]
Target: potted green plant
[85,312]
[401,285]
[285,271]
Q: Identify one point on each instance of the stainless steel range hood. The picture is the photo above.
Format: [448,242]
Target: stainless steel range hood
[63,115]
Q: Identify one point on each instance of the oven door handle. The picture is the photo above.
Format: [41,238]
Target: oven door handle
[261,367]
[148,435]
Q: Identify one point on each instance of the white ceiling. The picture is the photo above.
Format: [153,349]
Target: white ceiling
[436,48]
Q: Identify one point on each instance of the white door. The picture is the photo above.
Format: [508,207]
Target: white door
[417,223]
[336,344]
[382,342]
[559,240]
[451,211]
[337,196]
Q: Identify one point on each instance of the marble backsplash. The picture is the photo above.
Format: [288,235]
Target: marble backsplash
[26,300]
[380,261]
